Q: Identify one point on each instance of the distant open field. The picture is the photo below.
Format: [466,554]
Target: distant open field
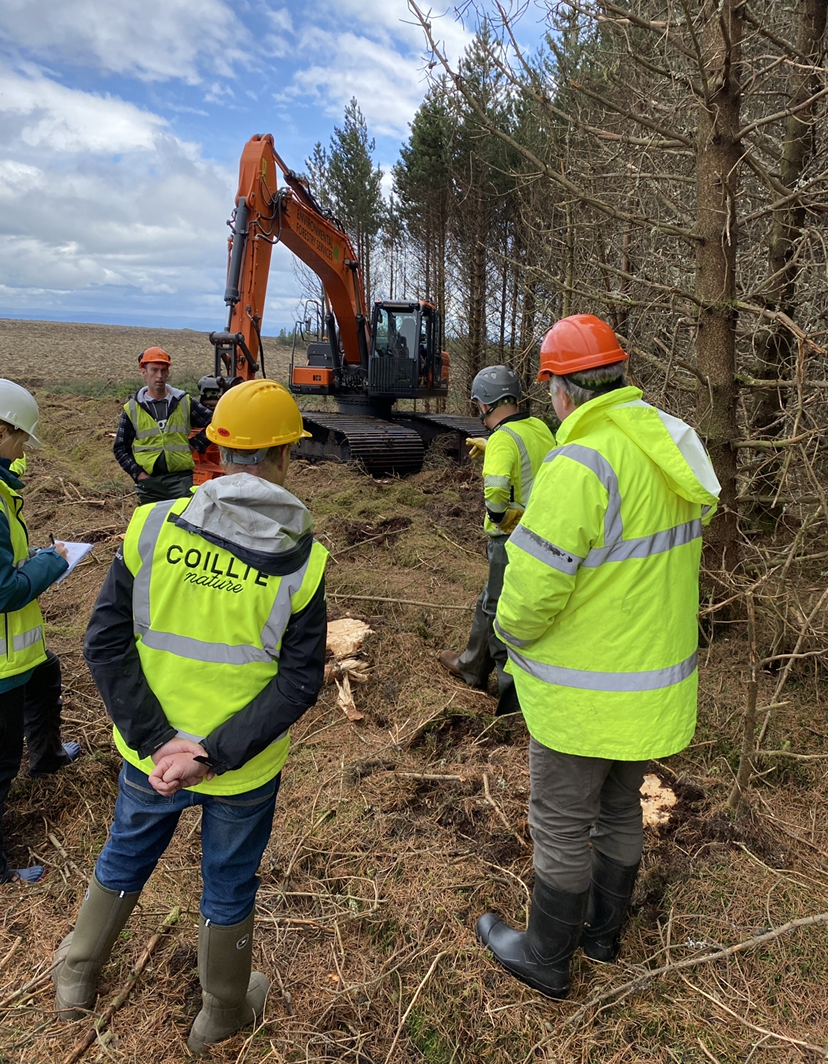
[50,352]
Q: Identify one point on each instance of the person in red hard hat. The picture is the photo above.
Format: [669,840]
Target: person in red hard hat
[598,614]
[152,443]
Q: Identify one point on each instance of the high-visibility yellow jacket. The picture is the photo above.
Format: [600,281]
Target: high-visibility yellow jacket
[600,600]
[22,645]
[173,440]
[514,454]
[187,647]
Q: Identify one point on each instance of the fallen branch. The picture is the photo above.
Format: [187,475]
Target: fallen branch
[820,1050]
[397,601]
[691,962]
[10,953]
[412,1003]
[120,998]
[435,776]
[499,811]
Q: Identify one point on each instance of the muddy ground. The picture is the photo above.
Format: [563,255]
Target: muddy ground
[394,832]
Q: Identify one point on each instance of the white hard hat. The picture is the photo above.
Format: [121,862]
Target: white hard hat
[18,408]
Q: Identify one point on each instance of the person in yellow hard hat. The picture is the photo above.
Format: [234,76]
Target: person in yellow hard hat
[599,613]
[207,643]
[153,443]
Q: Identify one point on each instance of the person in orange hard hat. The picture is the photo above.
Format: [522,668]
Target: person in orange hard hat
[153,443]
[599,615]
[207,643]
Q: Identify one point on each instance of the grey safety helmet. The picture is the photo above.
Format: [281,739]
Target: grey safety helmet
[208,384]
[495,383]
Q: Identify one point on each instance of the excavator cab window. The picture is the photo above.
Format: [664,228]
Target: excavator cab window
[396,333]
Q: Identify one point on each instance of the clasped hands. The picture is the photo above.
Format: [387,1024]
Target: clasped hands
[175,768]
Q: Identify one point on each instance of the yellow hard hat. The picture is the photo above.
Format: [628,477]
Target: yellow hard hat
[254,415]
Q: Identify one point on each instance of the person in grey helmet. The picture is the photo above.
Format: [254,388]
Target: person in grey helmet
[512,455]
[209,392]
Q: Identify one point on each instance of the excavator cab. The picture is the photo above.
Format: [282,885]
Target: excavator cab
[405,360]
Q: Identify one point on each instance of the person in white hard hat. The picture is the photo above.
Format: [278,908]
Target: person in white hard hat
[30,682]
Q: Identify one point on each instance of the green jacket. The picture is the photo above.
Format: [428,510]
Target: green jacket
[600,600]
[22,644]
[514,453]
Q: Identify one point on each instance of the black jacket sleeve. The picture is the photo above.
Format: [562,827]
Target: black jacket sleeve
[112,656]
[289,694]
[122,447]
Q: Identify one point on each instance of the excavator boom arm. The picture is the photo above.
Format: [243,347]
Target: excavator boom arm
[267,214]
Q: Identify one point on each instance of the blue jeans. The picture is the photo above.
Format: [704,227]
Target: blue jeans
[235,829]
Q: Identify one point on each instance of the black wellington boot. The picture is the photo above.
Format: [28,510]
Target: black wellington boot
[539,956]
[609,898]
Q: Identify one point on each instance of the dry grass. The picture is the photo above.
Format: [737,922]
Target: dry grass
[375,874]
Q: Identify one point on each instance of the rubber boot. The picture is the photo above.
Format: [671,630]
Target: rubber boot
[609,898]
[231,996]
[539,956]
[84,951]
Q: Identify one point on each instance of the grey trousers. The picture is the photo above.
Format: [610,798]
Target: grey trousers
[578,802]
[484,651]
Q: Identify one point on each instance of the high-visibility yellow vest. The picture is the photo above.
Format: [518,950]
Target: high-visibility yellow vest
[151,440]
[22,645]
[600,598]
[514,454]
[208,628]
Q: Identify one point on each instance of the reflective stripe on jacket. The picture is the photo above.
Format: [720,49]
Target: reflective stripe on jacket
[22,645]
[514,454]
[600,599]
[151,440]
[208,629]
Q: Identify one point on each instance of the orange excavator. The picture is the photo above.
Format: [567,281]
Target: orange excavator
[366,364]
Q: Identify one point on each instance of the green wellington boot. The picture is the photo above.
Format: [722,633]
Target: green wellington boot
[84,951]
[231,996]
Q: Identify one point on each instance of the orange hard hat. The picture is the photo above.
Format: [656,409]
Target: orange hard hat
[154,354]
[579,342]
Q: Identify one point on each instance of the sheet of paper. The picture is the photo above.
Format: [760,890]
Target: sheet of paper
[76,552]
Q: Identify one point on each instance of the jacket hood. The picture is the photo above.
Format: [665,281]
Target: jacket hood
[666,440]
[142,395]
[250,515]
[8,477]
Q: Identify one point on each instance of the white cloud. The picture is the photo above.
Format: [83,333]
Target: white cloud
[388,87]
[65,120]
[396,19]
[95,191]
[148,39]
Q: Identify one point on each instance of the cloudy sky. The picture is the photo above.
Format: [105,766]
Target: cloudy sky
[121,127]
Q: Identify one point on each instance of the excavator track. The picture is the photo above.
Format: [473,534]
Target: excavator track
[451,429]
[380,446]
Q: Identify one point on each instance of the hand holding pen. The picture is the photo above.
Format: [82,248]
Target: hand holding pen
[59,547]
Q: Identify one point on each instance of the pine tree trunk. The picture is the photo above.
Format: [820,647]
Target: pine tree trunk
[717,168]
[775,351]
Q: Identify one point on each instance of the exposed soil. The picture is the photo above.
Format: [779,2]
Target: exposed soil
[393,834]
